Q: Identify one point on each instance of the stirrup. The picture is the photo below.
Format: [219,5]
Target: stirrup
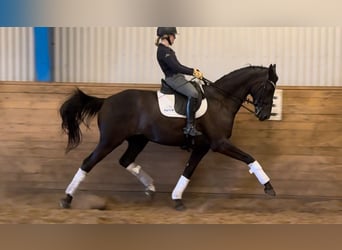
[192,131]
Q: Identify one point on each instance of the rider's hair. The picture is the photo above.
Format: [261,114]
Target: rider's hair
[157,41]
[160,38]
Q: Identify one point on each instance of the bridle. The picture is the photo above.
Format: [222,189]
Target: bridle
[258,108]
[254,102]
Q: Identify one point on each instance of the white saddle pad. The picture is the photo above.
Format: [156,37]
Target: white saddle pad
[167,104]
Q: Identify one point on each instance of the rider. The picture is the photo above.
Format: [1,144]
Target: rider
[174,74]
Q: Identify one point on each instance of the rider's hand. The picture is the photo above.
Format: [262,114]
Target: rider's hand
[198,74]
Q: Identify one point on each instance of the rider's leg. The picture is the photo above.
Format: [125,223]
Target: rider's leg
[190,128]
[181,85]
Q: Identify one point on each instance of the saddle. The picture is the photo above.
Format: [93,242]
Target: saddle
[180,100]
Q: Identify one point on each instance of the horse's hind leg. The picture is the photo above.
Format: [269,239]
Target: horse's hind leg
[103,148]
[135,145]
[196,156]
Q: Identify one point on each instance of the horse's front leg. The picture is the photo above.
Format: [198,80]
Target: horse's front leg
[196,156]
[225,147]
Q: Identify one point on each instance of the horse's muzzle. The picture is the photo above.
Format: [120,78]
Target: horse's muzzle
[262,116]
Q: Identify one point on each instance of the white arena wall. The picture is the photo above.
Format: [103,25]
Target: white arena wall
[16,54]
[305,56]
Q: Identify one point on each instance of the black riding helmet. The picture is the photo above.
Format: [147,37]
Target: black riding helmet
[161,31]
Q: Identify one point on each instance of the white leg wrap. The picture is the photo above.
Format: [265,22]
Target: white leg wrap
[180,187]
[257,170]
[142,176]
[78,178]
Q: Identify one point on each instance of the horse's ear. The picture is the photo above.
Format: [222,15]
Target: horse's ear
[272,68]
[272,74]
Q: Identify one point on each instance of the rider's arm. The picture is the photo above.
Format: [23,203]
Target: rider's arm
[176,66]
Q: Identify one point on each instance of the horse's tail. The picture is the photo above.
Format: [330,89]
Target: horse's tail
[78,108]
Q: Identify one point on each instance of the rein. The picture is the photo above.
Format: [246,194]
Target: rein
[209,83]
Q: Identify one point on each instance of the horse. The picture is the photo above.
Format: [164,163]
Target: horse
[133,115]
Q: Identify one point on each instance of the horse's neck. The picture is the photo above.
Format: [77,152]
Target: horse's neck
[239,86]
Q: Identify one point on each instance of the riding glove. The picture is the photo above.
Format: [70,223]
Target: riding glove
[198,74]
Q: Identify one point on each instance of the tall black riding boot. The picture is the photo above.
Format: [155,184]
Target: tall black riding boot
[190,115]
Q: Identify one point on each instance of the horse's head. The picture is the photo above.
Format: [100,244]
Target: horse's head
[258,81]
[263,93]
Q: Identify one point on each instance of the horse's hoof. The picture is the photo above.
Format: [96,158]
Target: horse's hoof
[66,202]
[179,206]
[269,189]
[270,192]
[150,194]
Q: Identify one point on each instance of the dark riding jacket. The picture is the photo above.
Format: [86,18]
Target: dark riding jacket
[169,63]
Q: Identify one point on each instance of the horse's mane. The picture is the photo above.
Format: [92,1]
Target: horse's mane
[237,72]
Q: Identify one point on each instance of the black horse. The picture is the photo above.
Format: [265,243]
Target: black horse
[134,116]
